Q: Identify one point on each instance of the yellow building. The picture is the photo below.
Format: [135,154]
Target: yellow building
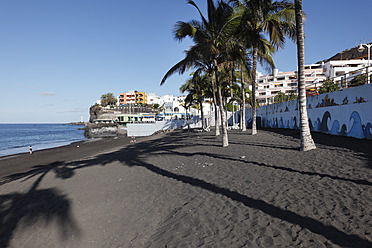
[141,97]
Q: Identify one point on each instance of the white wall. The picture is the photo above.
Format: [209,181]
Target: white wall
[147,129]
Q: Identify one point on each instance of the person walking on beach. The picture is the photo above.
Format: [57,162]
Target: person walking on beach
[30,149]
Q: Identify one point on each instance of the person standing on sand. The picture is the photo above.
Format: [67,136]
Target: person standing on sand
[30,149]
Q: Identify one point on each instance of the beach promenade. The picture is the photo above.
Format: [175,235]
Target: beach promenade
[182,189]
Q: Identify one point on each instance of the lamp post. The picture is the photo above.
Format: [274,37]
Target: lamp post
[361,49]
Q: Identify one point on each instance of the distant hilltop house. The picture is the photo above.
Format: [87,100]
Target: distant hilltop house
[341,68]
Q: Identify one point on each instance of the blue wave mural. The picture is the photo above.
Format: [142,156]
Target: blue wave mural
[367,131]
[346,113]
[357,130]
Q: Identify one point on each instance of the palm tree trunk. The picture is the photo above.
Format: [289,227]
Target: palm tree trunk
[202,114]
[241,118]
[254,73]
[227,117]
[242,109]
[210,114]
[217,119]
[231,95]
[187,121]
[215,107]
[199,116]
[225,139]
[307,142]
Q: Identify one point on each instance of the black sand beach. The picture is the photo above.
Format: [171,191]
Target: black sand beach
[182,189]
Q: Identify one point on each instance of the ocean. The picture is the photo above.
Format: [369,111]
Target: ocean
[17,138]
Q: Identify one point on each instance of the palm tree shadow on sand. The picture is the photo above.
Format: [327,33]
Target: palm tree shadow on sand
[36,205]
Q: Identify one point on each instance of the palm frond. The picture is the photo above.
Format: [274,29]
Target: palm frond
[180,67]
[196,6]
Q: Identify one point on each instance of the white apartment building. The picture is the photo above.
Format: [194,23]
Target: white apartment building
[342,71]
[268,86]
[152,98]
[172,104]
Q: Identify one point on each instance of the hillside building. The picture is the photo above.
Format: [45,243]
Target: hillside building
[132,97]
[127,98]
[152,98]
[342,71]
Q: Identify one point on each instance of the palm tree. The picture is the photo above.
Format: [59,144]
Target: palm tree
[232,77]
[243,77]
[210,37]
[229,70]
[197,87]
[242,104]
[307,142]
[241,98]
[234,91]
[199,58]
[108,99]
[189,101]
[224,78]
[259,18]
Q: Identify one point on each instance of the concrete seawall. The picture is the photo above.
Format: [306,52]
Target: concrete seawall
[103,130]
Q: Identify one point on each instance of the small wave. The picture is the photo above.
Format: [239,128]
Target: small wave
[36,147]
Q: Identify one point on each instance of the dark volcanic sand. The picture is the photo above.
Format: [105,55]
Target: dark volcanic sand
[182,189]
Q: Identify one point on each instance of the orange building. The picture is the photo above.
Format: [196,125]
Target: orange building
[133,97]
[126,98]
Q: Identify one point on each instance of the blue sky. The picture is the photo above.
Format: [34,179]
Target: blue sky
[58,57]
